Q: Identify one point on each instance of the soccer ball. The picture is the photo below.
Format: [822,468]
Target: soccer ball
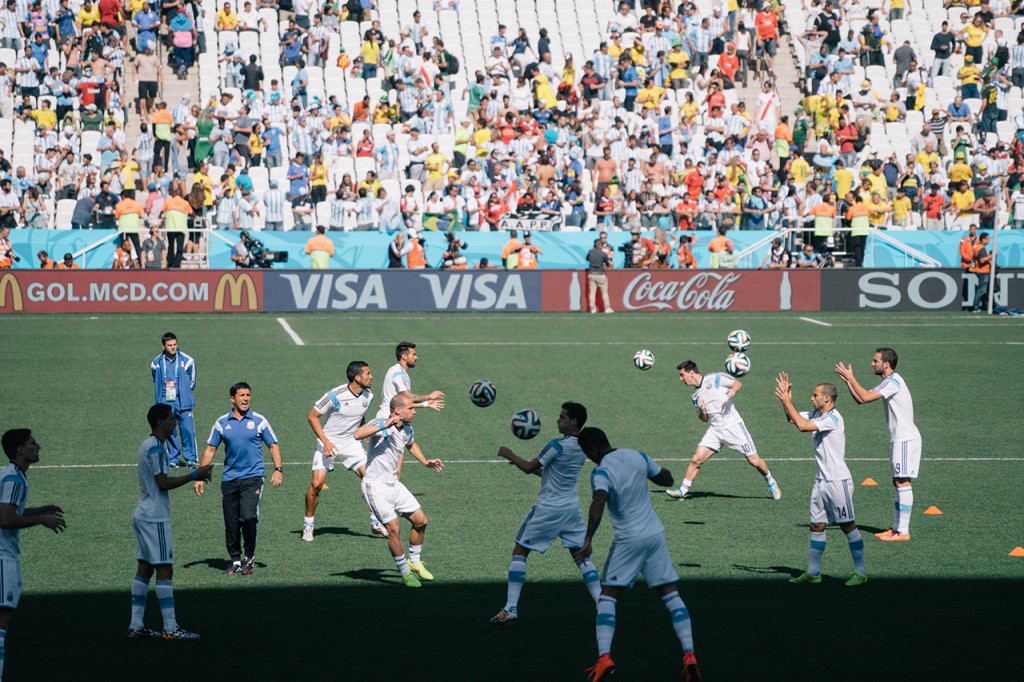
[482,393]
[525,424]
[643,359]
[738,340]
[737,364]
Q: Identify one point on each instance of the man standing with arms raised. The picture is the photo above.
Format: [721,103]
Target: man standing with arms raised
[904,438]
[174,383]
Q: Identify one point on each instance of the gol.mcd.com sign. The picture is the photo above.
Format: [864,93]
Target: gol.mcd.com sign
[63,291]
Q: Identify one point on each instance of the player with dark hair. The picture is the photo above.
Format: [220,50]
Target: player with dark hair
[344,408]
[712,397]
[904,438]
[384,493]
[23,451]
[396,380]
[174,383]
[556,513]
[638,546]
[832,494]
[152,525]
[244,432]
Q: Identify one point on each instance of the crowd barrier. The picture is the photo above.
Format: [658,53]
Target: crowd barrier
[85,291]
[562,250]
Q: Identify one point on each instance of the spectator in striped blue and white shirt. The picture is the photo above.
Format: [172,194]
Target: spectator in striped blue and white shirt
[273,203]
[246,210]
[337,203]
[302,141]
[10,32]
[226,205]
[387,158]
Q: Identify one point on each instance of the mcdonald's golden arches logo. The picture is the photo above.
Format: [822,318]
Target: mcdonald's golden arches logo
[9,286]
[233,287]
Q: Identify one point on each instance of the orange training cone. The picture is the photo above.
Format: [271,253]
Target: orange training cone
[869,481]
[1017,551]
[933,511]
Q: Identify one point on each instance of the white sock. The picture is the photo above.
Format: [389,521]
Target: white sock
[374,521]
[686,485]
[165,596]
[680,619]
[402,564]
[414,553]
[817,549]
[307,520]
[768,478]
[516,578]
[904,506]
[590,578]
[140,589]
[605,623]
[857,550]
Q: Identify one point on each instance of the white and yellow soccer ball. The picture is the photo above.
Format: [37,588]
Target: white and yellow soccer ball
[643,359]
[738,340]
[525,424]
[737,364]
[482,393]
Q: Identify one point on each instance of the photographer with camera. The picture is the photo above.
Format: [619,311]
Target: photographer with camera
[7,256]
[453,258]
[241,255]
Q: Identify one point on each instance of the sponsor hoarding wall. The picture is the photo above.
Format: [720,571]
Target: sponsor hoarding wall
[562,250]
[667,291]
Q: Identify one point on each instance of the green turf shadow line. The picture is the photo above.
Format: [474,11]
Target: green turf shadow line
[745,630]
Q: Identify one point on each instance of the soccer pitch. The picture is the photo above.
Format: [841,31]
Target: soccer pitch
[945,605]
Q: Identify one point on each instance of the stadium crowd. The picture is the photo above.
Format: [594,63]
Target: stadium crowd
[360,117]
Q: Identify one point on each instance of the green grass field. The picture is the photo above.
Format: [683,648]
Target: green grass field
[944,606]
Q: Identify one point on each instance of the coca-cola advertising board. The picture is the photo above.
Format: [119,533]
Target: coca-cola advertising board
[688,290]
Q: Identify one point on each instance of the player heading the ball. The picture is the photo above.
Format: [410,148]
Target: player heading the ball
[712,397]
[556,513]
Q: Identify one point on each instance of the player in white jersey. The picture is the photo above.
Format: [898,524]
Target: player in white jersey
[344,408]
[832,494]
[384,493]
[712,397]
[556,514]
[23,451]
[904,438]
[638,546]
[152,525]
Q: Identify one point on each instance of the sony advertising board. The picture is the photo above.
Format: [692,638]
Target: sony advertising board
[913,289]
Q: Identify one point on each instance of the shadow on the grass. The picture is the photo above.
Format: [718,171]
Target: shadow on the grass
[441,632]
[335,530]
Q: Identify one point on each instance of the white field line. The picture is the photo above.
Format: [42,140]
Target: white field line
[813,321]
[646,343]
[291,332]
[122,465]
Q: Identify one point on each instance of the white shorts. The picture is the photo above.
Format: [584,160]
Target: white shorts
[832,502]
[388,501]
[905,456]
[735,437]
[154,540]
[544,524]
[349,453]
[10,583]
[629,558]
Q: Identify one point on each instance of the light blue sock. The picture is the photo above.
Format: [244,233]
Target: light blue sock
[680,619]
[140,589]
[817,549]
[590,578]
[904,506]
[165,596]
[516,579]
[857,550]
[605,623]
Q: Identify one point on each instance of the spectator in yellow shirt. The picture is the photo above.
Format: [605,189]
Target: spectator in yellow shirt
[678,62]
[878,211]
[650,95]
[969,76]
[227,20]
[974,35]
[88,15]
[960,171]
[900,209]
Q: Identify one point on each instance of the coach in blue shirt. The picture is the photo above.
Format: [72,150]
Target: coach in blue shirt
[174,384]
[244,433]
